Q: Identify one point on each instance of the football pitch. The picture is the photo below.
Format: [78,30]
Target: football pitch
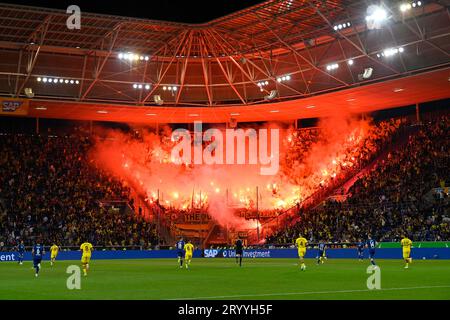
[223,279]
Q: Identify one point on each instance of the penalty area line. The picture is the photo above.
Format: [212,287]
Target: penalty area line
[308,293]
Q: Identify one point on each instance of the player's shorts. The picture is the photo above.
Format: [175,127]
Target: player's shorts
[53,256]
[180,254]
[239,252]
[371,254]
[406,254]
[321,253]
[36,261]
[301,252]
[85,258]
[20,255]
[188,256]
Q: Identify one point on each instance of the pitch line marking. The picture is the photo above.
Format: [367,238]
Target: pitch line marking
[308,293]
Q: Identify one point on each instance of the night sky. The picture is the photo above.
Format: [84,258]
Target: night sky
[189,11]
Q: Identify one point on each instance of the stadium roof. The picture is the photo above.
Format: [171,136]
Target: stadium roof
[235,61]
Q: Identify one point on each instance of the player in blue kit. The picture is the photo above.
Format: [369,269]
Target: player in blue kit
[360,246]
[321,256]
[21,252]
[180,251]
[371,244]
[37,252]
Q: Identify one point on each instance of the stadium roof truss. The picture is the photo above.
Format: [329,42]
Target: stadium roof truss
[236,60]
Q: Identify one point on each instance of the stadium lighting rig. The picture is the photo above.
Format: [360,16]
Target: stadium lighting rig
[376,17]
[130,56]
[389,52]
[408,6]
[332,67]
[141,86]
[284,78]
[376,13]
[341,26]
[262,84]
[52,80]
[170,88]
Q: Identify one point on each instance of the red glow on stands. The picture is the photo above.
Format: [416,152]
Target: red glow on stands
[306,165]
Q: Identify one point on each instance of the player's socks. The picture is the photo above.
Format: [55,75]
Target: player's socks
[372,262]
[240,261]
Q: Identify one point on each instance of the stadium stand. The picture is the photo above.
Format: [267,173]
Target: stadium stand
[50,190]
[389,200]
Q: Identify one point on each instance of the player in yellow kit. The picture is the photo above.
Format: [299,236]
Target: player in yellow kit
[53,253]
[406,248]
[301,243]
[189,249]
[86,248]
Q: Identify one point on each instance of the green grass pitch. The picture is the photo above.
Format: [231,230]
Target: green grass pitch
[223,279]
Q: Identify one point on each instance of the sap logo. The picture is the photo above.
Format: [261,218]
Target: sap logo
[211,253]
[11,106]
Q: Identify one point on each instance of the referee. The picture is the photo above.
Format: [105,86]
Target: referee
[239,251]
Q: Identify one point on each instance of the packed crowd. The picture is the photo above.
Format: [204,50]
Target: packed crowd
[388,201]
[318,159]
[50,190]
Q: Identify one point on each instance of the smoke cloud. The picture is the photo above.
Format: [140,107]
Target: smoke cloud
[308,162]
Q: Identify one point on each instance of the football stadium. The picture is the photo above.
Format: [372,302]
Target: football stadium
[264,150]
